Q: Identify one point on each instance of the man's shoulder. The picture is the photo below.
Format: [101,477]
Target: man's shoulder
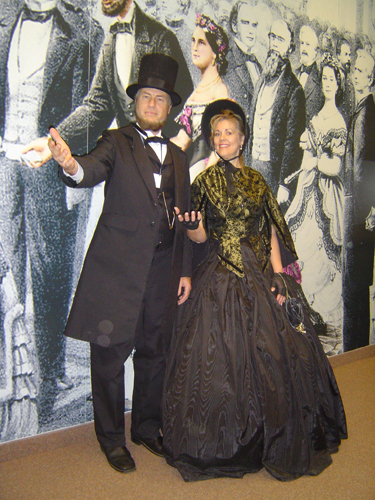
[235,55]
[79,22]
[119,134]
[366,113]
[295,89]
[289,78]
[315,73]
[10,11]
[143,22]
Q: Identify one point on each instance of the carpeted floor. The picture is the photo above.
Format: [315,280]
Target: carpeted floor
[69,465]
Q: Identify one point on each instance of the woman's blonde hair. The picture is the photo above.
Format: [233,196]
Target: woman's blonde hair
[227,114]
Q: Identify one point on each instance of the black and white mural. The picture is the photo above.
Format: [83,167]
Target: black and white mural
[311,136]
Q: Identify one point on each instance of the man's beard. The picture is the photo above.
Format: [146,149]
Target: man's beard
[273,66]
[155,126]
[115,8]
[346,67]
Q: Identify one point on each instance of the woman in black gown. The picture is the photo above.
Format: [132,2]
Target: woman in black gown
[244,389]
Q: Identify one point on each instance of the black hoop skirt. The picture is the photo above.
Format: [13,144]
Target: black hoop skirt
[244,389]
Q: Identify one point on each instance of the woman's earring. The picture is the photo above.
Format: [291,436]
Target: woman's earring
[213,61]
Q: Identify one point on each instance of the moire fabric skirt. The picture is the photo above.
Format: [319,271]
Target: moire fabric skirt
[243,389]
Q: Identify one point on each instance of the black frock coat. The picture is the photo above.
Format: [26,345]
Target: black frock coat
[287,125]
[111,287]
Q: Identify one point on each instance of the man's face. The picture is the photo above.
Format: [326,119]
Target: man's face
[112,8]
[247,25]
[222,16]
[279,38]
[152,106]
[308,45]
[345,57]
[361,78]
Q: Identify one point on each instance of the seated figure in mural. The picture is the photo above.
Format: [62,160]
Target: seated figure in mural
[244,389]
[315,216]
[209,48]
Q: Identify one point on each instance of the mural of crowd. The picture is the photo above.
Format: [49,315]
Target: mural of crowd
[306,89]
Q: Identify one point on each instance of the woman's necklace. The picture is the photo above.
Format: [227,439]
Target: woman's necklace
[207,86]
[328,112]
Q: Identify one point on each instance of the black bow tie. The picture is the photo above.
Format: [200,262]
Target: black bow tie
[39,17]
[121,28]
[306,69]
[251,58]
[160,140]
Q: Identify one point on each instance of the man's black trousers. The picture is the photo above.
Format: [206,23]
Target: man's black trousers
[107,367]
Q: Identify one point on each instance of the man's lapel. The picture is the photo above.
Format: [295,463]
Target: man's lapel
[143,163]
[179,176]
[281,94]
[58,48]
[312,81]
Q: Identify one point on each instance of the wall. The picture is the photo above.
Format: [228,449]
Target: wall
[45,228]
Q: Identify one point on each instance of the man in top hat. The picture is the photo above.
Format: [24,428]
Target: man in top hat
[137,268]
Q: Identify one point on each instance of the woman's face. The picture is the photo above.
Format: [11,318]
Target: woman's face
[227,139]
[329,83]
[201,51]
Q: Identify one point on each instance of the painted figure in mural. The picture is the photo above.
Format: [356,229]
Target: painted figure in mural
[315,217]
[133,35]
[236,395]
[18,363]
[244,68]
[346,107]
[209,48]
[222,14]
[179,18]
[359,208]
[45,56]
[308,72]
[277,115]
[139,261]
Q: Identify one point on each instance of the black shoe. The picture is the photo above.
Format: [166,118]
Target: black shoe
[155,445]
[119,458]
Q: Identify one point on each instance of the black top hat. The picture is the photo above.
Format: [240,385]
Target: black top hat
[217,108]
[157,71]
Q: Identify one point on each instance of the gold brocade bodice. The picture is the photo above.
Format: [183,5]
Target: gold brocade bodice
[245,215]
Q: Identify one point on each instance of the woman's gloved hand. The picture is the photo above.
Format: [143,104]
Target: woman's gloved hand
[278,287]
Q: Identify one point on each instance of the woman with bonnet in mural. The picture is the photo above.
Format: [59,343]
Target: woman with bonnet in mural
[209,48]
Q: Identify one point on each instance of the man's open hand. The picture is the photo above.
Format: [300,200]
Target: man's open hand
[61,152]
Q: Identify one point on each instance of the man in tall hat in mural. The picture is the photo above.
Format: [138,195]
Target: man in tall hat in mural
[45,54]
[308,72]
[359,208]
[133,35]
[138,265]
[277,115]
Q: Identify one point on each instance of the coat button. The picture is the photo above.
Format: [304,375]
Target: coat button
[152,223]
